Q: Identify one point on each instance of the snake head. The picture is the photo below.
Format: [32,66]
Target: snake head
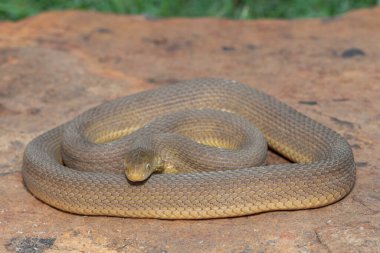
[139,164]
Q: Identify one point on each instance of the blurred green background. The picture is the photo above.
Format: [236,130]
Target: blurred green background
[237,9]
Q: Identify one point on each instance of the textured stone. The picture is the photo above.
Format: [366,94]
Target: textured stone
[58,64]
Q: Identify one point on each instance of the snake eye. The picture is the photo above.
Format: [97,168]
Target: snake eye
[147,166]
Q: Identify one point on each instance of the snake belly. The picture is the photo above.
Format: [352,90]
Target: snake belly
[323,171]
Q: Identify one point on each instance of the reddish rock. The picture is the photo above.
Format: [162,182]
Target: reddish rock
[58,64]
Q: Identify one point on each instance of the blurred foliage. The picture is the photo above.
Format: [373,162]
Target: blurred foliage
[238,9]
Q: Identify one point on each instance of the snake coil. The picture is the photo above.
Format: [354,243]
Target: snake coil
[323,171]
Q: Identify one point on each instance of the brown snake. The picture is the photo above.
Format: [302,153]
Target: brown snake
[323,171]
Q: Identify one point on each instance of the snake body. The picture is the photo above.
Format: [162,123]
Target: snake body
[323,171]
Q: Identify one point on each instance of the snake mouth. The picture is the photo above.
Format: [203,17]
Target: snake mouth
[136,177]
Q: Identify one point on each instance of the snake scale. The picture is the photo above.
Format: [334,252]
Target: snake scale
[322,172]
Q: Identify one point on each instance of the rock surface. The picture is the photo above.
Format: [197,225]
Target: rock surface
[58,64]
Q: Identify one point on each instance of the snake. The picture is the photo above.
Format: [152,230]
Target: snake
[187,151]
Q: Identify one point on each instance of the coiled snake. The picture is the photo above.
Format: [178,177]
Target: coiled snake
[322,173]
